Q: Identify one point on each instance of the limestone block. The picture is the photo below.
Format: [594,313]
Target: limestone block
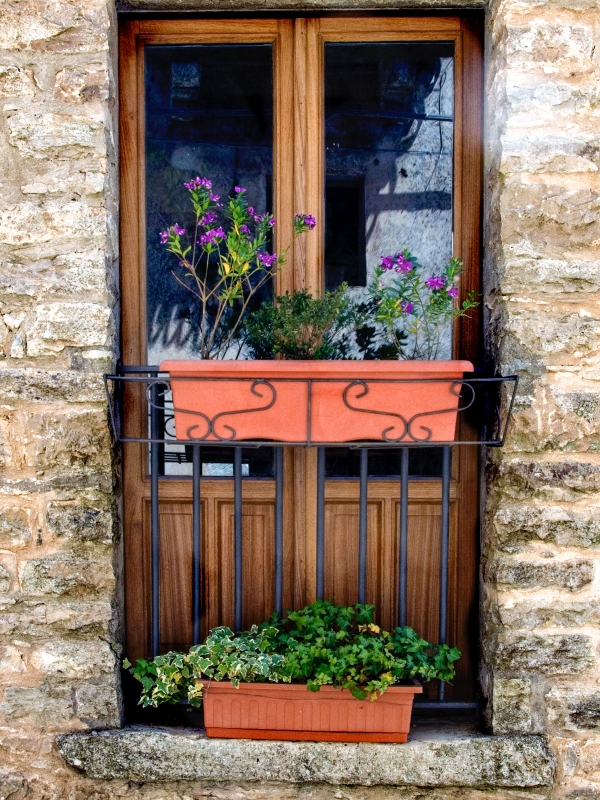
[553,480]
[524,273]
[549,215]
[11,661]
[574,574]
[97,705]
[16,82]
[45,386]
[19,30]
[67,658]
[66,573]
[82,521]
[546,654]
[70,439]
[526,152]
[66,181]
[8,571]
[588,760]
[552,47]
[46,705]
[548,612]
[15,527]
[56,135]
[512,706]
[82,83]
[60,325]
[563,525]
[39,618]
[553,336]
[65,224]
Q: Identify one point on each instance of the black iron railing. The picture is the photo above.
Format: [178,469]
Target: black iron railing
[487,411]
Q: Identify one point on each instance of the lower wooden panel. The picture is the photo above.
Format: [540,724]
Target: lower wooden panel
[341,562]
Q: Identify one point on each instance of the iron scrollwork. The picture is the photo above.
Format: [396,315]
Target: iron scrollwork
[408,432]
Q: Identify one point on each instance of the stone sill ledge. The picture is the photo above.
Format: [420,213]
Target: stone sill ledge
[450,758]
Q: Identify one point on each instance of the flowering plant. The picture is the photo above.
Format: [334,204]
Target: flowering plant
[411,305]
[223,260]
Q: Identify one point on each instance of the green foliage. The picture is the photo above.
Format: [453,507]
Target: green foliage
[412,308]
[340,646]
[247,657]
[300,326]
[318,646]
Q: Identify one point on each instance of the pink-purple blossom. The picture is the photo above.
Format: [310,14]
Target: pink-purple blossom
[387,262]
[403,264]
[245,229]
[407,307]
[198,183]
[212,236]
[239,190]
[267,260]
[306,220]
[453,291]
[173,230]
[435,282]
[164,237]
[208,218]
[214,198]
[272,222]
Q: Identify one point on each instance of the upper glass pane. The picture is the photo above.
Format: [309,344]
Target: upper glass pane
[209,112]
[389,139]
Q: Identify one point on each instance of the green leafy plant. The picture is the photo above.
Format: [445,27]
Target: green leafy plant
[320,645]
[414,309]
[341,646]
[172,678]
[299,326]
[222,260]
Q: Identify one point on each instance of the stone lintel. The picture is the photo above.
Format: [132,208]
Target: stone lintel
[294,5]
[449,759]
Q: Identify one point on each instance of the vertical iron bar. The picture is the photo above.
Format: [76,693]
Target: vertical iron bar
[197,541]
[446,473]
[155,433]
[403,544]
[237,512]
[279,530]
[362,525]
[320,522]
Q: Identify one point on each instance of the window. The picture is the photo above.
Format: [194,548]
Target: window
[373,124]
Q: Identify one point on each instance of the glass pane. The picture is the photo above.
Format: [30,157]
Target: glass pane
[423,462]
[209,112]
[389,137]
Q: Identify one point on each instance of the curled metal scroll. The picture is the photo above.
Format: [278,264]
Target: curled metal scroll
[455,388]
[201,432]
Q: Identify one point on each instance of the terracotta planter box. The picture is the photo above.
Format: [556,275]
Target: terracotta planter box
[316,401]
[290,711]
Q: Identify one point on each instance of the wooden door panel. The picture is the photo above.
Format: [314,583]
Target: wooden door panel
[175,575]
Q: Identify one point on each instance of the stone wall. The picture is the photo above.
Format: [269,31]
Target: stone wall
[541,562]
[59,551]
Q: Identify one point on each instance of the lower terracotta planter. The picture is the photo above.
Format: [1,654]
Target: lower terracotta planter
[290,711]
[309,402]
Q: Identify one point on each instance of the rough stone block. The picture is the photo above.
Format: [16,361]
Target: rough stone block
[55,135]
[66,573]
[45,386]
[82,83]
[546,654]
[512,706]
[573,575]
[97,705]
[548,612]
[47,705]
[67,658]
[86,522]
[551,46]
[11,661]
[16,82]
[563,479]
[28,618]
[522,272]
[53,226]
[562,525]
[15,529]
[60,325]
[585,711]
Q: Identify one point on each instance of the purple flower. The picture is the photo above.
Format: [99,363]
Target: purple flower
[403,264]
[251,210]
[435,282]
[387,262]
[212,236]
[209,217]
[245,229]
[239,190]
[214,198]
[407,307]
[305,221]
[198,183]
[164,237]
[453,291]
[267,260]
[272,222]
[179,231]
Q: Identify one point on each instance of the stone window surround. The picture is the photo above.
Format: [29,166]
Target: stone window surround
[452,757]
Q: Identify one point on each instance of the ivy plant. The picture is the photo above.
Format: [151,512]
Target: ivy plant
[321,645]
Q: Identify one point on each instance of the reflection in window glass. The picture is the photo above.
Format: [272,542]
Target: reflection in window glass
[388,130]
[209,112]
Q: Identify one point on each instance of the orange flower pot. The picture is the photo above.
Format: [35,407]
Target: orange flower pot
[316,401]
[290,711]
